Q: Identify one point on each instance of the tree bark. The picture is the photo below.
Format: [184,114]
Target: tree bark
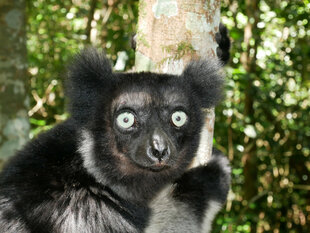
[14,101]
[170,34]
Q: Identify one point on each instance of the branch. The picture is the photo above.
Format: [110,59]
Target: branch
[93,5]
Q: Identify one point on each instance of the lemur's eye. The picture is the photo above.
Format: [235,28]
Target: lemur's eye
[125,120]
[178,118]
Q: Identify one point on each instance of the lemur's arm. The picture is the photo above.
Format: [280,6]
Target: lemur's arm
[192,202]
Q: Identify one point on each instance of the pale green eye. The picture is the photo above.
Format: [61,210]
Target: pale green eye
[125,120]
[179,118]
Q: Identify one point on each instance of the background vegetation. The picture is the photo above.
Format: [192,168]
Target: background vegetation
[262,125]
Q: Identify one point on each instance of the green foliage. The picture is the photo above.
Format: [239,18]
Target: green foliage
[57,30]
[279,125]
[278,128]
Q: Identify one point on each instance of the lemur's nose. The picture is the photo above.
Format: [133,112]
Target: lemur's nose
[159,149]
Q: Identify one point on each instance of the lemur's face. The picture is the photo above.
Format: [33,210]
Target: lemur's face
[153,127]
[139,128]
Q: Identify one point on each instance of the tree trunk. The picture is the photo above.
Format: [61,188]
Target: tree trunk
[14,101]
[171,33]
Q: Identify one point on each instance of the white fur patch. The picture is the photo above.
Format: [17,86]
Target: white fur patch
[213,208]
[170,216]
[86,149]
[12,225]
[224,162]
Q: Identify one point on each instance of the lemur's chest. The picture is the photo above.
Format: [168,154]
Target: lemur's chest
[86,212]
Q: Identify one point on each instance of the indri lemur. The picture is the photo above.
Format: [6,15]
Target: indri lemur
[120,162]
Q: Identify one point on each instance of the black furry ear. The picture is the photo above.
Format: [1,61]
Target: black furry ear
[90,75]
[223,41]
[205,80]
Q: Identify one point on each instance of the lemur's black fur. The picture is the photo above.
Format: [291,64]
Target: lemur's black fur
[94,173]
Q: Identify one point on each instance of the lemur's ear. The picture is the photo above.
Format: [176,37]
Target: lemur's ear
[223,41]
[89,75]
[205,80]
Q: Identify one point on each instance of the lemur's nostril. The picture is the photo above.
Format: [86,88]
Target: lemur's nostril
[155,153]
[165,152]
